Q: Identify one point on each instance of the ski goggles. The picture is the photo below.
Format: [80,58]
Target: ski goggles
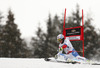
[59,40]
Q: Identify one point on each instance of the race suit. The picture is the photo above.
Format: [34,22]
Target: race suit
[68,50]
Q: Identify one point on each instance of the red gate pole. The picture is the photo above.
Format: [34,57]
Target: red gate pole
[64,23]
[64,19]
[83,32]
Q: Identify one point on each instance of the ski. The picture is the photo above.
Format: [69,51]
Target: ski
[52,60]
[71,62]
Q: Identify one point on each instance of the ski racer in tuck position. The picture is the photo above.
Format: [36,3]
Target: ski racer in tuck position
[66,47]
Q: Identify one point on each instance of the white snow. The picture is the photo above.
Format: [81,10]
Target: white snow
[38,63]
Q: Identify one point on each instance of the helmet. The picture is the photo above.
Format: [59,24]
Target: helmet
[60,37]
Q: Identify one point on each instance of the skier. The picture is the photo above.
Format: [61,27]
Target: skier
[66,47]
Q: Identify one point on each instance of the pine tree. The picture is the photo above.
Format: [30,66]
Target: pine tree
[11,35]
[25,50]
[52,35]
[97,49]
[1,34]
[48,37]
[38,44]
[91,39]
[45,44]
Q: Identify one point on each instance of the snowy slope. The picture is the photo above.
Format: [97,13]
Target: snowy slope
[38,63]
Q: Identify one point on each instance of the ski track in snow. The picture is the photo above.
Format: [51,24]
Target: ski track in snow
[38,63]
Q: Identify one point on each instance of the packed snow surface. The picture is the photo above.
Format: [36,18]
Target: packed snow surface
[38,63]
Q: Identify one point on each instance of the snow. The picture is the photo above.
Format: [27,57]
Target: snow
[38,63]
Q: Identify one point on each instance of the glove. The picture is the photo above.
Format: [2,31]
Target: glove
[69,60]
[61,49]
[56,56]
